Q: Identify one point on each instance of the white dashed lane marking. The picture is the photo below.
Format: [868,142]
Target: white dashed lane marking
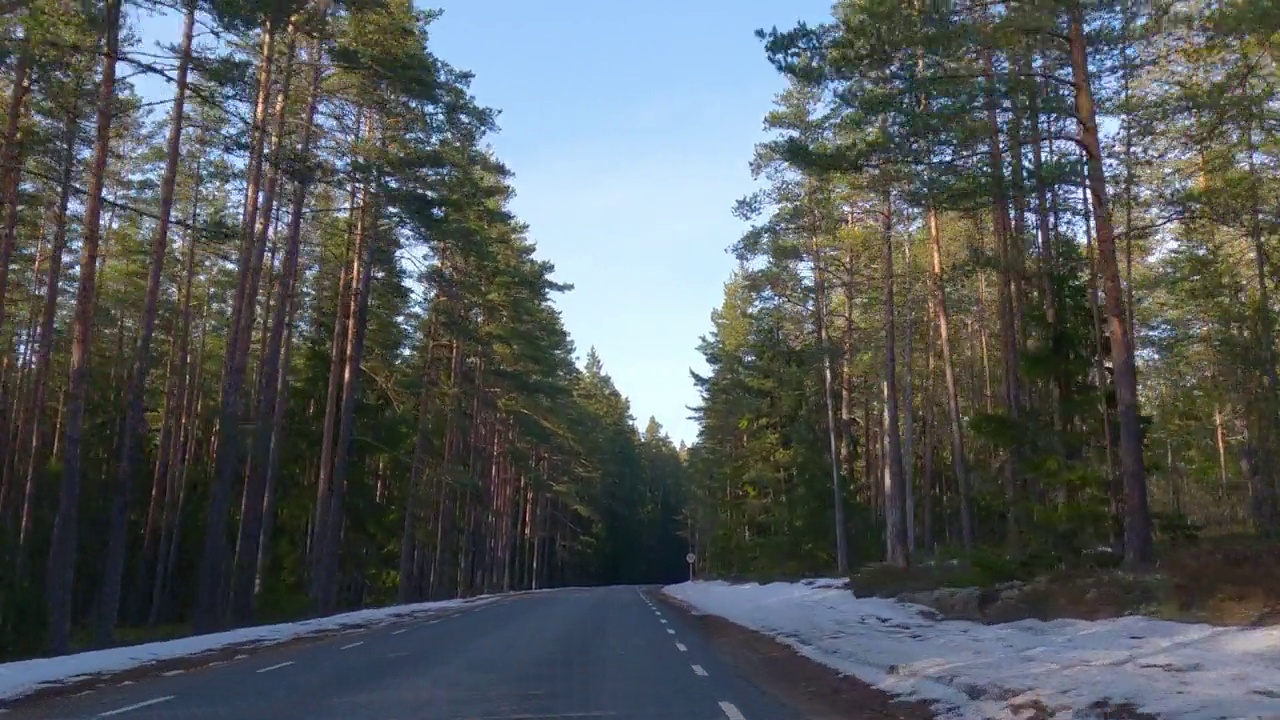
[681,647]
[276,667]
[354,644]
[697,670]
[397,632]
[670,631]
[732,712]
[662,620]
[135,706]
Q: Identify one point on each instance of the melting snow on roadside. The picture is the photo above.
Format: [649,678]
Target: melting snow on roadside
[22,677]
[969,670]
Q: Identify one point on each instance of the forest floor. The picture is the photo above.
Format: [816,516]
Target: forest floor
[1223,580]
[1130,668]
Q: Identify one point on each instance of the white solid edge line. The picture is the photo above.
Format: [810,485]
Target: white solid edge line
[276,667]
[135,706]
[697,670]
[682,647]
[402,630]
[354,644]
[732,712]
[670,631]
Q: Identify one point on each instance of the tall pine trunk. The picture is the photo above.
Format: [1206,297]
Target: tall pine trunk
[1138,548]
[117,533]
[211,577]
[824,342]
[324,482]
[11,169]
[959,466]
[331,534]
[898,551]
[1007,290]
[38,431]
[245,567]
[60,576]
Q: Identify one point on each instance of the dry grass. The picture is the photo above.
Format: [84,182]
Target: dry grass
[1228,580]
[1224,580]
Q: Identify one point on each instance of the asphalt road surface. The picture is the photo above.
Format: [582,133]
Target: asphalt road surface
[577,654]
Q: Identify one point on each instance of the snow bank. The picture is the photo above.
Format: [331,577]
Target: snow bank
[969,670]
[25,676]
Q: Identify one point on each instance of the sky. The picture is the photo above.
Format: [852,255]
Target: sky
[629,127]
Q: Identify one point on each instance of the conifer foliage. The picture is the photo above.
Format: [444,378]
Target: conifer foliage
[1008,290]
[273,344]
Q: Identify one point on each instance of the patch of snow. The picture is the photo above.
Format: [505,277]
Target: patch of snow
[25,676]
[969,670]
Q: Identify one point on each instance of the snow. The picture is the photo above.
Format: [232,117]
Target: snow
[25,676]
[970,670]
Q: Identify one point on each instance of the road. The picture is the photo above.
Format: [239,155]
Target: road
[577,654]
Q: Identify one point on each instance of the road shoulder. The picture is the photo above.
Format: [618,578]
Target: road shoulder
[812,689]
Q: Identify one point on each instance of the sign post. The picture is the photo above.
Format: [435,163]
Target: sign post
[691,559]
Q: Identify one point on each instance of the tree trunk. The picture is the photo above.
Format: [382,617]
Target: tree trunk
[60,575]
[117,533]
[11,170]
[209,612]
[406,591]
[245,565]
[1048,270]
[908,412]
[928,480]
[1220,438]
[324,482]
[273,457]
[44,350]
[897,551]
[958,464]
[175,422]
[1139,550]
[820,312]
[1266,404]
[185,444]
[361,272]
[1115,484]
[1008,325]
[848,438]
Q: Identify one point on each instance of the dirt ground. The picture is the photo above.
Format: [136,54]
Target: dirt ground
[813,689]
[820,693]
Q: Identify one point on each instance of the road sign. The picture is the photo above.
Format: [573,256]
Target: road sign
[690,558]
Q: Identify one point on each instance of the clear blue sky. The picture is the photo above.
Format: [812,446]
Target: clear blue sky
[629,127]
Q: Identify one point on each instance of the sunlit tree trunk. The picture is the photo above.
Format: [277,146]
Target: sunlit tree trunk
[60,576]
[1139,550]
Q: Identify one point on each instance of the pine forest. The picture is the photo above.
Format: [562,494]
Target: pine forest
[274,345]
